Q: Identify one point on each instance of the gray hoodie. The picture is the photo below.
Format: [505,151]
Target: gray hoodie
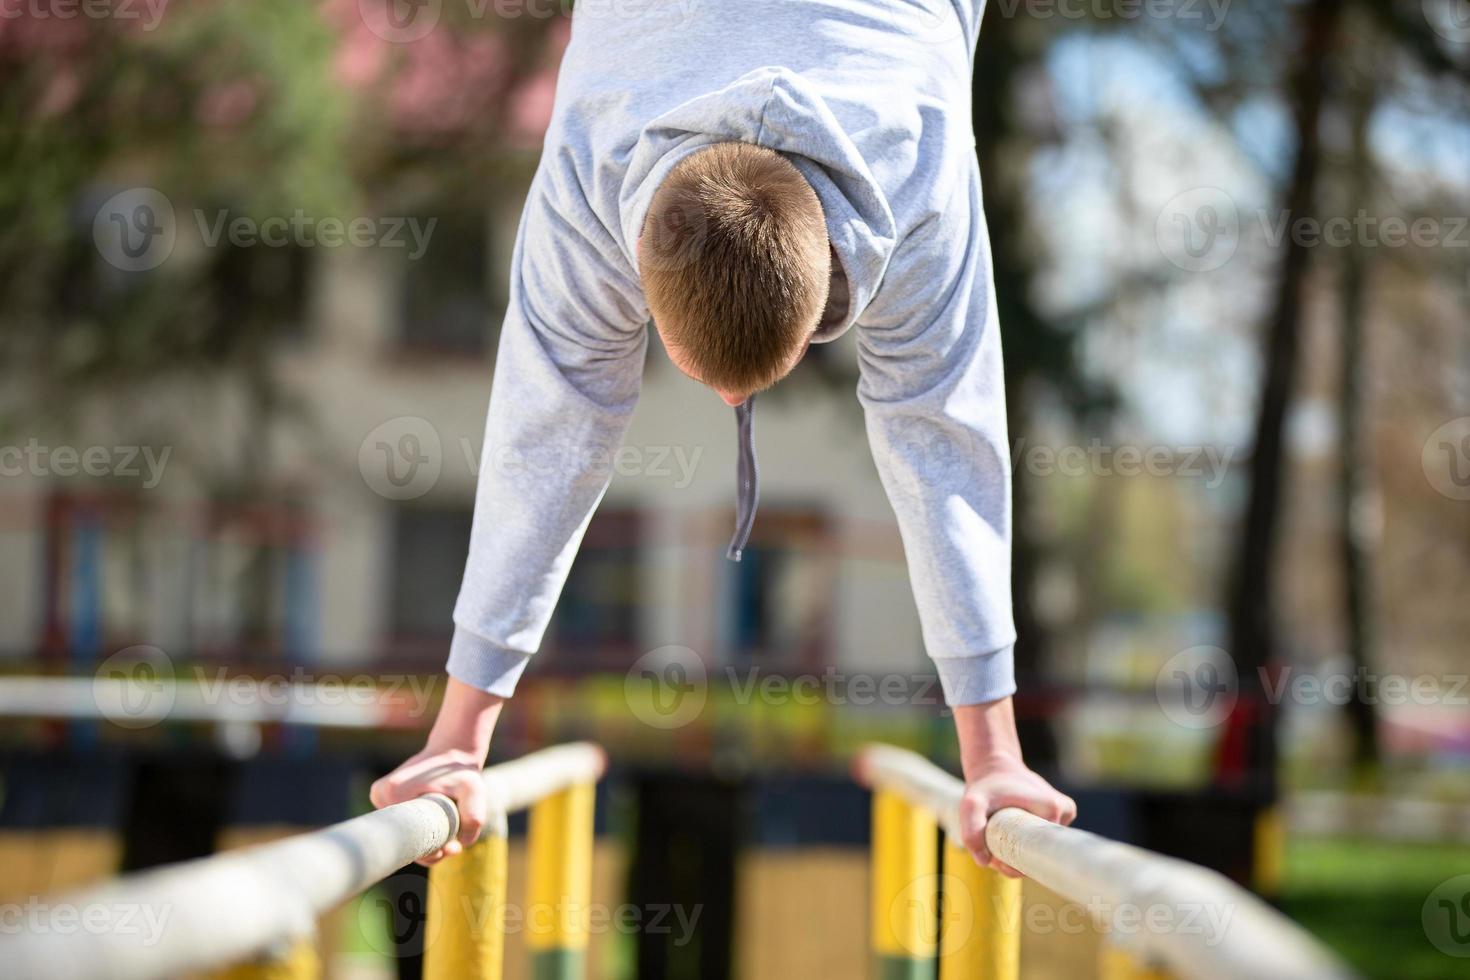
[870,99]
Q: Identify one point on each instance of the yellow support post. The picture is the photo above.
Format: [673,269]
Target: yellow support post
[1120,964]
[299,961]
[467,910]
[905,920]
[981,931]
[560,846]
[1270,851]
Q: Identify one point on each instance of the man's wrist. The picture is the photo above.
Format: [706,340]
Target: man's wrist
[987,736]
[466,721]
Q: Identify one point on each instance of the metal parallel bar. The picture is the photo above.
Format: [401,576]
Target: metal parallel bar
[233,907]
[560,838]
[981,931]
[904,920]
[1192,921]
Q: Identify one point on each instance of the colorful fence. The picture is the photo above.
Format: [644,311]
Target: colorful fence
[1152,909]
[256,909]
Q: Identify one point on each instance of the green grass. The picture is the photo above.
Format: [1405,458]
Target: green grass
[1365,900]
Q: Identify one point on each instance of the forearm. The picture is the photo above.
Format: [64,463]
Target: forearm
[987,736]
[466,721]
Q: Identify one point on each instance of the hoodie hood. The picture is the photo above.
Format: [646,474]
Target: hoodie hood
[776,109]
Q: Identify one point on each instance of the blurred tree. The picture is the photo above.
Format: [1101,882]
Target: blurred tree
[1248,749]
[271,108]
[1041,353]
[1318,86]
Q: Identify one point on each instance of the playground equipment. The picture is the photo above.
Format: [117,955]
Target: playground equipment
[259,906]
[256,909]
[1162,917]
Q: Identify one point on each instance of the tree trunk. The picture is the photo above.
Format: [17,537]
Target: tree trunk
[1358,517]
[1248,751]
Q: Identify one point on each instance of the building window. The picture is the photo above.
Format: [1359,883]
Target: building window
[596,624]
[782,591]
[450,302]
[238,581]
[429,550]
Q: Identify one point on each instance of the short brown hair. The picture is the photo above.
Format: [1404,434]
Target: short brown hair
[735,264]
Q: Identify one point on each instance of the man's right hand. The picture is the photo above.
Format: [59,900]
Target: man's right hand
[450,763]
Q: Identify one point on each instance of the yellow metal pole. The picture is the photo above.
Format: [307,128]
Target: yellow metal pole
[467,909]
[1120,964]
[981,929]
[560,885]
[299,961]
[1270,851]
[905,920]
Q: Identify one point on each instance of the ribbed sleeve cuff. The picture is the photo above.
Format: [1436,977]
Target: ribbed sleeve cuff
[976,680]
[475,661]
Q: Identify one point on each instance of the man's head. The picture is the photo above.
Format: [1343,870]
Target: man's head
[735,266]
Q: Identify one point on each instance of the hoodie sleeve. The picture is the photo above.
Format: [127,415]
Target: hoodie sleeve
[566,380]
[934,400]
